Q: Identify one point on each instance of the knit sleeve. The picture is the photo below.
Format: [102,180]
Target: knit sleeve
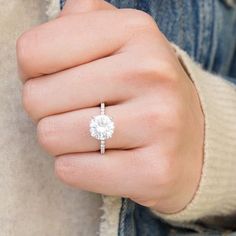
[216,194]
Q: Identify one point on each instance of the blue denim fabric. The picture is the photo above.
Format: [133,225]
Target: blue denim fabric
[206,30]
[62,3]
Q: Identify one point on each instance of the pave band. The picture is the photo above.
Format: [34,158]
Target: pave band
[102,108]
[102,146]
[102,142]
[102,128]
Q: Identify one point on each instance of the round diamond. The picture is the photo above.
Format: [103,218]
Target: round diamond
[102,127]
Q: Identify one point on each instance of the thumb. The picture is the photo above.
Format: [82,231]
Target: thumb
[79,6]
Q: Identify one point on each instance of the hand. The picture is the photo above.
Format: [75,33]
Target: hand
[94,53]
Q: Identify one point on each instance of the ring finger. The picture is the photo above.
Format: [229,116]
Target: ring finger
[69,132]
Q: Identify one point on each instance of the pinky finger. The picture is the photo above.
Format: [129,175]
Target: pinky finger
[111,174]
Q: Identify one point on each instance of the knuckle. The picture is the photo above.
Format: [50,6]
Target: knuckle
[61,169]
[140,20]
[143,71]
[167,71]
[148,67]
[25,49]
[46,132]
[169,123]
[172,115]
[166,175]
[155,70]
[28,98]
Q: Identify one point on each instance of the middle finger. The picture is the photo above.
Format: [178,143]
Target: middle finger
[81,87]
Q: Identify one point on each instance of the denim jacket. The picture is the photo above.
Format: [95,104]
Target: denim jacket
[206,30]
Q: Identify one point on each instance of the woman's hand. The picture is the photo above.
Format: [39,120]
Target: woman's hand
[95,53]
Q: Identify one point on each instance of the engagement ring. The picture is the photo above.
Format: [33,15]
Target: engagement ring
[102,128]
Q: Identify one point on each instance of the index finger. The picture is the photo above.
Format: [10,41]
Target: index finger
[73,40]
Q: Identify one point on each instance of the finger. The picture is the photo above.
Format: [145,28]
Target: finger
[126,173]
[101,174]
[69,132]
[75,6]
[70,41]
[104,80]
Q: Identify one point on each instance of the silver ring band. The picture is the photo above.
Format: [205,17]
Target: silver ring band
[102,142]
[102,146]
[102,108]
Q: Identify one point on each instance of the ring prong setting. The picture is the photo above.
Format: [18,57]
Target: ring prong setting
[102,127]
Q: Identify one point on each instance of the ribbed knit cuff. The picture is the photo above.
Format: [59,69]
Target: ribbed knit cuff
[216,195]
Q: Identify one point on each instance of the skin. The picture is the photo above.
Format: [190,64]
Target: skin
[94,53]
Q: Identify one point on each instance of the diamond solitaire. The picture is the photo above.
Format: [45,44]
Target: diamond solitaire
[102,128]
